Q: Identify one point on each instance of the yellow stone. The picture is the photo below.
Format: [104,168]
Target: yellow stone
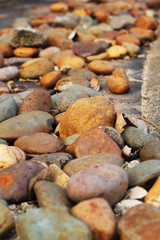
[116,51]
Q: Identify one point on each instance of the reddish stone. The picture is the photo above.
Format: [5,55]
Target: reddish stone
[147,22]
[6,49]
[59,41]
[149,34]
[127,38]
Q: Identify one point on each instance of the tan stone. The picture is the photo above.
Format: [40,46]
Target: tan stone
[49,79]
[60,55]
[59,41]
[127,38]
[147,22]
[1,59]
[116,51]
[149,34]
[71,60]
[101,67]
[58,7]
[86,113]
[59,176]
[25,52]
[153,195]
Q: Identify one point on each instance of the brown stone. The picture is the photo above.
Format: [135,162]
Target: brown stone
[116,51]
[97,214]
[49,79]
[86,113]
[110,35]
[101,14]
[71,60]
[38,22]
[140,222]
[147,22]
[93,141]
[39,143]
[151,150]
[60,55]
[6,49]
[49,52]
[118,82]
[153,195]
[39,99]
[58,41]
[149,34]
[101,67]
[1,59]
[127,38]
[3,88]
[25,52]
[86,38]
[58,7]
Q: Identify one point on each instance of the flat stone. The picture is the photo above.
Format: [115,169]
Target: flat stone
[16,61]
[8,107]
[137,222]
[151,150]
[140,174]
[98,216]
[5,214]
[80,163]
[101,67]
[8,73]
[49,222]
[116,51]
[50,194]
[106,180]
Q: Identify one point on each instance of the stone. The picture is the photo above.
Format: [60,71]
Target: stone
[136,193]
[147,23]
[101,67]
[1,59]
[140,174]
[86,113]
[26,37]
[136,138]
[62,101]
[123,206]
[8,73]
[14,180]
[58,41]
[58,7]
[101,56]
[153,195]
[5,214]
[25,52]
[71,139]
[19,97]
[21,22]
[72,61]
[49,194]
[58,158]
[149,34]
[118,82]
[26,124]
[93,141]
[127,38]
[101,14]
[39,99]
[151,150]
[36,68]
[80,163]
[60,55]
[2,141]
[137,222]
[69,81]
[49,222]
[6,49]
[65,21]
[116,51]
[131,48]
[48,80]
[114,135]
[8,107]
[106,180]
[16,61]
[49,52]
[39,143]
[98,216]
[3,88]
[99,29]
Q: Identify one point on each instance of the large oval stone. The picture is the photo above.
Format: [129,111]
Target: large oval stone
[138,222]
[26,124]
[8,107]
[86,113]
[8,73]
[45,223]
[106,180]
[98,216]
[151,150]
[39,99]
[19,97]
[93,141]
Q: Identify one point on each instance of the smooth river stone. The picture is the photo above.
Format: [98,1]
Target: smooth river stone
[106,180]
[140,222]
[136,138]
[50,194]
[6,219]
[97,214]
[8,107]
[8,73]
[80,163]
[1,59]
[14,180]
[21,96]
[143,172]
[151,150]
[26,124]
[48,223]
[39,143]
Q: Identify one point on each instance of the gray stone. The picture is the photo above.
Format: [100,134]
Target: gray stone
[26,37]
[151,150]
[21,22]
[64,21]
[2,141]
[16,61]
[135,138]
[8,73]
[51,223]
[8,107]
[50,194]
[62,101]
[6,219]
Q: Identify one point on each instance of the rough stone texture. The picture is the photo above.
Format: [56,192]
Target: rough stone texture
[14,180]
[6,220]
[106,180]
[26,124]
[8,73]
[98,216]
[137,223]
[86,113]
[39,99]
[151,150]
[80,163]
[45,223]
[136,138]
[92,141]
[50,194]
[8,107]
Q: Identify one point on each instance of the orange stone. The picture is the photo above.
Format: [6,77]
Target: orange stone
[93,141]
[86,113]
[147,22]
[38,22]
[59,7]
[101,14]
[149,34]
[81,12]
[71,60]
[153,195]
[49,79]
[127,38]
[101,67]
[6,49]
[25,51]
[118,82]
